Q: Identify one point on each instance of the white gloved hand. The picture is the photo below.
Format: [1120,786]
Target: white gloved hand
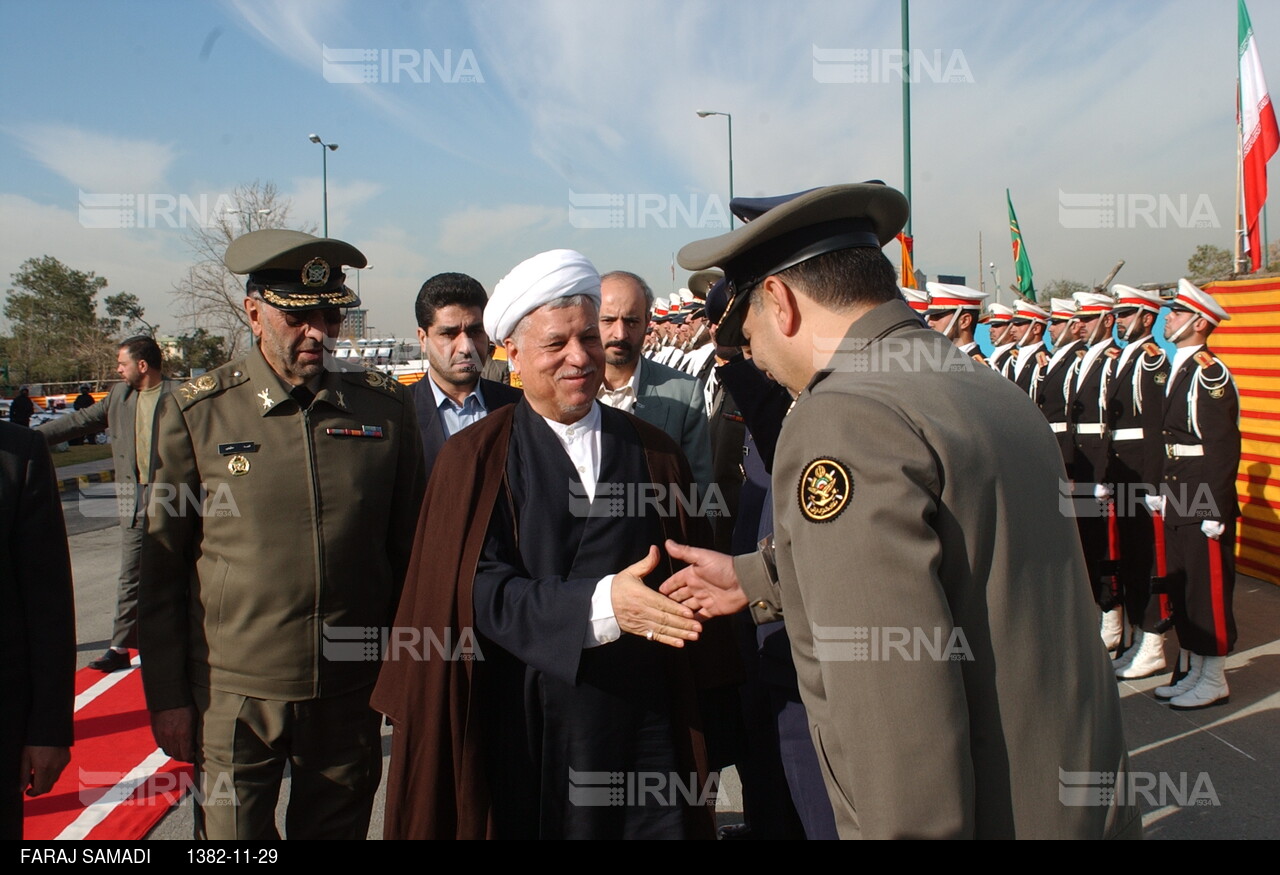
[1103,491]
[1154,503]
[1212,529]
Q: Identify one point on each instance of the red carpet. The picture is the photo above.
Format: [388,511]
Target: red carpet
[118,784]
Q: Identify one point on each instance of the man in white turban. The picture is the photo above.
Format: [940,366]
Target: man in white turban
[571,712]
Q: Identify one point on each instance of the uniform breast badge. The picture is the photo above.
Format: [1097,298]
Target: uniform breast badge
[238,466]
[825,489]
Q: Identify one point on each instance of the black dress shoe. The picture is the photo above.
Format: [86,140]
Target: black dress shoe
[112,660]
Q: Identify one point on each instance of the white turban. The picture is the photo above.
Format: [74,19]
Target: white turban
[537,281]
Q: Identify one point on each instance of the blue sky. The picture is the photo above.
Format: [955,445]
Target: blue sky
[1091,113]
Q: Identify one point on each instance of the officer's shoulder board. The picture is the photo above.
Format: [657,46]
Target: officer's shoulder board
[1112,352]
[978,357]
[375,381]
[1153,349]
[1013,353]
[207,385]
[1080,353]
[1042,358]
[1212,373]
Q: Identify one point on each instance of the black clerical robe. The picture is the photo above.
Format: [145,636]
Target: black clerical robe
[484,747]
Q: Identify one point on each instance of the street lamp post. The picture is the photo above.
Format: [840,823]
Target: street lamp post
[704,113]
[246,217]
[325,149]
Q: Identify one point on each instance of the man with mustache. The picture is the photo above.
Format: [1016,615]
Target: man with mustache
[282,507]
[530,544]
[452,394]
[660,395]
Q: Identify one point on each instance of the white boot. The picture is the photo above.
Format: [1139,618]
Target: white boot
[1211,689]
[1122,660]
[1112,628]
[1189,680]
[1148,660]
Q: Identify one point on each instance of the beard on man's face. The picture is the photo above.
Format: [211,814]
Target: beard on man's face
[619,352]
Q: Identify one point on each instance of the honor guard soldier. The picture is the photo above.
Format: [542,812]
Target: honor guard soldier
[1085,411]
[1201,436]
[1134,402]
[999,321]
[1027,367]
[1055,383]
[953,313]
[260,606]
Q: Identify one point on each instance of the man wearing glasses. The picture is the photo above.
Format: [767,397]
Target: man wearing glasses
[282,512]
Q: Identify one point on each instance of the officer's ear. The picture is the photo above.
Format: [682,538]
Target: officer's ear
[253,309]
[780,305]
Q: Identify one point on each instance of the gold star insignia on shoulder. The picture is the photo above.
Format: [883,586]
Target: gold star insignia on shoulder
[267,401]
[825,488]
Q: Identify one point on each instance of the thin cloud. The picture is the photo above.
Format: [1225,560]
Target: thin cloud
[96,162]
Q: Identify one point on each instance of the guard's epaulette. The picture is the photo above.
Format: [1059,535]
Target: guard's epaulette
[207,385]
[1112,352]
[1013,353]
[1204,359]
[1080,353]
[978,357]
[1153,349]
[1043,358]
[374,380]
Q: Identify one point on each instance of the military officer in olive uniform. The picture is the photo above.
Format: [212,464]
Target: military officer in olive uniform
[900,511]
[284,502]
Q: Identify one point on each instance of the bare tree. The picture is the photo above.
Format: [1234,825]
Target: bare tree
[210,296]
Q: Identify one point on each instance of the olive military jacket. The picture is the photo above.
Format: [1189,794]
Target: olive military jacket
[277,537]
[944,635]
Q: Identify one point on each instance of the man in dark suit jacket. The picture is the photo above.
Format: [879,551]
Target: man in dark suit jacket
[37,626]
[129,411]
[662,396]
[452,394]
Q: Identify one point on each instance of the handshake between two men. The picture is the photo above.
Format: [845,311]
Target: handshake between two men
[706,587]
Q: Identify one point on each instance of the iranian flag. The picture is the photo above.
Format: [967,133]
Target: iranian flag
[1259,135]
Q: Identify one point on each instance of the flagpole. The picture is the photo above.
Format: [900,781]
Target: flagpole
[906,119]
[1238,264]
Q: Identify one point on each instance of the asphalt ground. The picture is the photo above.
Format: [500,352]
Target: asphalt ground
[1210,774]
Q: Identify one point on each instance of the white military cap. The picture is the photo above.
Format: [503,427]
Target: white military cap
[1028,310]
[997,314]
[916,299]
[1093,302]
[1128,296]
[944,297]
[537,281]
[1062,309]
[1198,301]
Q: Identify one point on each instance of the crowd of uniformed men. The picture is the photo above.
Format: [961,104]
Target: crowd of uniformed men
[907,495]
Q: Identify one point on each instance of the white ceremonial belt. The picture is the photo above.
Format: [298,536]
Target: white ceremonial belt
[1127,434]
[1058,427]
[1088,428]
[1174,451]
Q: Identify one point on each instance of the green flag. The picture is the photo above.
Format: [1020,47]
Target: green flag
[1021,264]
